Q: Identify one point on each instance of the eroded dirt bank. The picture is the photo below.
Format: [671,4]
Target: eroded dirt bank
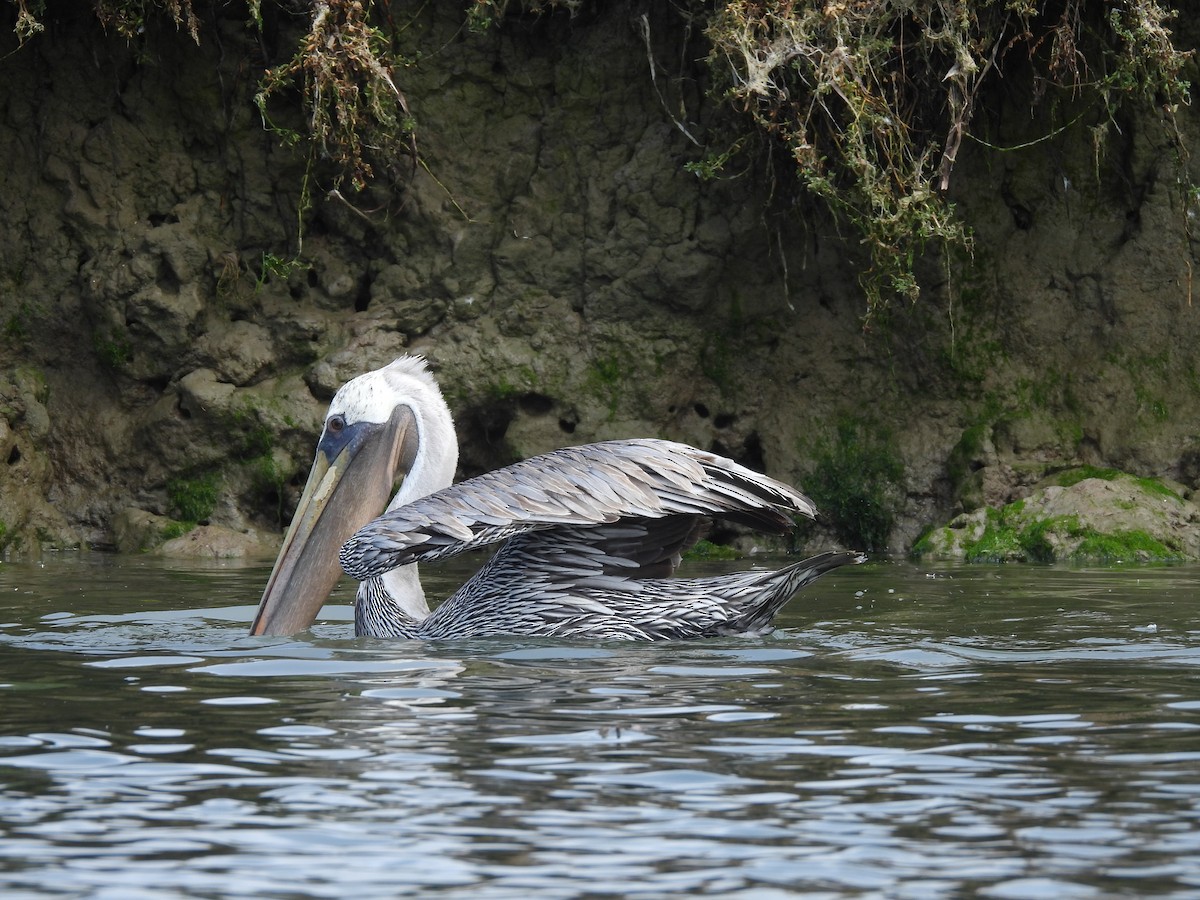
[570,280]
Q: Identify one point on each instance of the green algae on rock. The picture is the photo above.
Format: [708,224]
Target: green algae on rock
[1087,514]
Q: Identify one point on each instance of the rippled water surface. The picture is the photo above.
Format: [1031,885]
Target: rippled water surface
[908,732]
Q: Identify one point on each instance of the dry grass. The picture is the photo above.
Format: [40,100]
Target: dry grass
[873,99]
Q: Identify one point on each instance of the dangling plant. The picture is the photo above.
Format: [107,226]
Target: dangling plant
[357,117]
[873,98]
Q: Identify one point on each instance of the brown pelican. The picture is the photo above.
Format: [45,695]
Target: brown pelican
[590,533]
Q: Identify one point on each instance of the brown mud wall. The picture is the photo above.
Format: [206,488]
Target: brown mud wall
[569,279]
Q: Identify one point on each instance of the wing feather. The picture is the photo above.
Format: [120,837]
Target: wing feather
[593,484]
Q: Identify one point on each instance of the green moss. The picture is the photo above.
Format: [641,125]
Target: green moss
[856,483]
[924,545]
[250,437]
[267,480]
[506,389]
[717,360]
[253,443]
[994,546]
[606,377]
[607,370]
[193,499]
[959,465]
[1007,536]
[1153,403]
[113,348]
[1000,540]
[32,379]
[1034,539]
[1074,476]
[16,327]
[1155,376]
[1123,545]
[176,529]
[709,550]
[1082,473]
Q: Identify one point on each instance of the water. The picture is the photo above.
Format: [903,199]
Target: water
[1004,732]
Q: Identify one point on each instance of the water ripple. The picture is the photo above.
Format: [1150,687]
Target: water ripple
[995,731]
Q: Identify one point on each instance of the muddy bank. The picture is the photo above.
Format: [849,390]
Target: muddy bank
[169,343]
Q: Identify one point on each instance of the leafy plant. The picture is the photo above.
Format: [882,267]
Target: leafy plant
[357,117]
[268,478]
[273,266]
[483,14]
[193,499]
[128,17]
[856,483]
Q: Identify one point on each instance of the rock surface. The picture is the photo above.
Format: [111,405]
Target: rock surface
[164,321]
[218,542]
[1119,518]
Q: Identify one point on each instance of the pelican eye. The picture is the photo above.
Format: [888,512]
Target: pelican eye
[336,424]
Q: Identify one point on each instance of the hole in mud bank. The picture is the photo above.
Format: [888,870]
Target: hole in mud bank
[483,447]
[535,404]
[14,455]
[567,425]
[1022,217]
[750,454]
[724,420]
[701,410]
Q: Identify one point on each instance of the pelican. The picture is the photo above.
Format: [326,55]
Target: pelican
[590,534]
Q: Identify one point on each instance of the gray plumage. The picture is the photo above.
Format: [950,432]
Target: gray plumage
[592,535]
[589,536]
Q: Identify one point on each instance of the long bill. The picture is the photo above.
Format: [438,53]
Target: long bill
[350,484]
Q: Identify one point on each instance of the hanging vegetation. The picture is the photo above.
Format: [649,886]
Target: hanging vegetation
[871,99]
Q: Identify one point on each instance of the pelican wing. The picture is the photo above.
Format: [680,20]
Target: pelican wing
[628,548]
[601,581]
[592,484]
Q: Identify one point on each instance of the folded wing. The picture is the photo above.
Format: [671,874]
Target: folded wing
[593,484]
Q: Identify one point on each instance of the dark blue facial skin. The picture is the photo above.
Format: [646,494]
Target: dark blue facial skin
[338,436]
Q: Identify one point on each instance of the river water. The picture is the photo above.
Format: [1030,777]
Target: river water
[924,732]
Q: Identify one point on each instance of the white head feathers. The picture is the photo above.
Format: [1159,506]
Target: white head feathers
[373,396]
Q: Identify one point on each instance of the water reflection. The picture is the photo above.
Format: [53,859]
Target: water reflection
[1012,732]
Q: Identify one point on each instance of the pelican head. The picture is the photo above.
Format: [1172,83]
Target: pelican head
[382,426]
